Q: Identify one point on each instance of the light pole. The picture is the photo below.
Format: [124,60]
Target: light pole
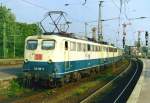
[95,21]
[100,36]
[86,29]
[4,40]
[146,41]
[124,28]
[124,33]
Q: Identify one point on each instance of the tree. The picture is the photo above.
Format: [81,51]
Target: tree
[24,30]
[13,34]
[7,22]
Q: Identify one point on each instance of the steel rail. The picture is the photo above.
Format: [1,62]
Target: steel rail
[127,84]
[109,83]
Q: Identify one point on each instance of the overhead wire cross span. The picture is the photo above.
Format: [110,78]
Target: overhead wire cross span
[35,5]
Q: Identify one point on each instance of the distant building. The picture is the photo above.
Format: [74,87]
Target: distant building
[133,50]
[145,51]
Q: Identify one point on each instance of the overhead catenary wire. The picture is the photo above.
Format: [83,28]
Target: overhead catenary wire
[125,9]
[121,4]
[5,1]
[43,8]
[115,4]
[84,2]
[35,5]
[118,7]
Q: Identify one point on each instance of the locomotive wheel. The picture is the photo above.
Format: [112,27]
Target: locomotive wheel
[67,78]
[27,83]
[76,76]
[61,82]
[57,83]
[93,71]
[97,70]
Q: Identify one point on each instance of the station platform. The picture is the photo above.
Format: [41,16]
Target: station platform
[9,72]
[141,92]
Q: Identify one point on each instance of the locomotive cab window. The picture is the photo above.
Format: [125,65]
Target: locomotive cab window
[48,44]
[32,44]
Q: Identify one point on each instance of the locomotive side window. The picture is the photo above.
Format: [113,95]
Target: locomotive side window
[66,45]
[97,48]
[88,47]
[48,44]
[100,48]
[78,46]
[115,50]
[72,46]
[110,49]
[84,47]
[32,44]
[92,48]
[104,49]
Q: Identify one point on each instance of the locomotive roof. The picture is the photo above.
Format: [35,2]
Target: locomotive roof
[45,36]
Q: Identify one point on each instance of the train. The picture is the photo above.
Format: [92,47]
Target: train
[57,57]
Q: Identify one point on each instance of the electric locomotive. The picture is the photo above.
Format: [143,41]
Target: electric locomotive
[59,55]
[54,56]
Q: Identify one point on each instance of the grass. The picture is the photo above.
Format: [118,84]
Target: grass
[107,76]
[14,89]
[84,88]
[48,92]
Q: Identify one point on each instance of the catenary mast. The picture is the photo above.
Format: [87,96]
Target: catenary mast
[100,36]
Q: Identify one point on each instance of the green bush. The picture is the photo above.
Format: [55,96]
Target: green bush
[14,89]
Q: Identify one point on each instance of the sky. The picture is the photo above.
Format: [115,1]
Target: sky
[33,11]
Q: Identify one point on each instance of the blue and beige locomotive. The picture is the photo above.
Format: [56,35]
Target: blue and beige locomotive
[55,56]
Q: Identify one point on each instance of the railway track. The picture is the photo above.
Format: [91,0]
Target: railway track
[71,90]
[119,89]
[125,93]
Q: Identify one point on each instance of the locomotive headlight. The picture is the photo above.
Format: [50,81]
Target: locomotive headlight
[26,60]
[50,61]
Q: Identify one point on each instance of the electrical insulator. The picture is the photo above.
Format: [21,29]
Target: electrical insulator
[146,43]
[146,38]
[123,40]
[146,34]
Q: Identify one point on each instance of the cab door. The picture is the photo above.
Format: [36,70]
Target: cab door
[66,55]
